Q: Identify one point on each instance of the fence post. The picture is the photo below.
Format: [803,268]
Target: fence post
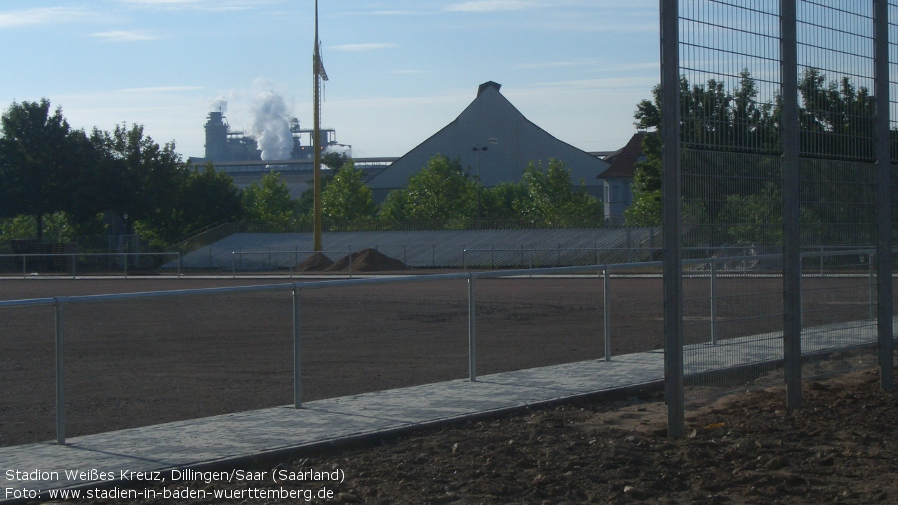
[606,289]
[791,198]
[233,265]
[24,269]
[297,350]
[60,371]
[125,261]
[713,302]
[674,381]
[885,311]
[872,274]
[472,331]
[74,262]
[464,259]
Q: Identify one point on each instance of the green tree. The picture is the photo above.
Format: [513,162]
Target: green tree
[346,197]
[755,218]
[441,191]
[206,196]
[498,202]
[646,207]
[334,160]
[36,166]
[550,196]
[141,181]
[268,201]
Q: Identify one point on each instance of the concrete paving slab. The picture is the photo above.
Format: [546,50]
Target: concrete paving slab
[234,437]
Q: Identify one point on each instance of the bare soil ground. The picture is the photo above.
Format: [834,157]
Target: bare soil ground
[144,362]
[136,363]
[742,449]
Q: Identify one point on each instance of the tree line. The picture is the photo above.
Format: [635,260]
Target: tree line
[742,194]
[63,182]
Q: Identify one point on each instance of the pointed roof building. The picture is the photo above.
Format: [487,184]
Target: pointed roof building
[495,141]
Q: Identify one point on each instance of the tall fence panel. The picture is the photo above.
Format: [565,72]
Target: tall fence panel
[787,131]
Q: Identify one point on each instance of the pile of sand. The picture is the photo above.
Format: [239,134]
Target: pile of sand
[367,260]
[315,263]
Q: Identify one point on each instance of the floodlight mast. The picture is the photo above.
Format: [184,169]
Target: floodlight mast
[316,136]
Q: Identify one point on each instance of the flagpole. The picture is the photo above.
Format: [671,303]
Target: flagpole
[316,139]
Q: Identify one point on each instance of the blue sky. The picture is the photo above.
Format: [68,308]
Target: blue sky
[399,69]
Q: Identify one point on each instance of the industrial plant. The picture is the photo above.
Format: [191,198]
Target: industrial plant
[235,151]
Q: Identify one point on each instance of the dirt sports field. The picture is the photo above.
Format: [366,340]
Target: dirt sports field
[145,362]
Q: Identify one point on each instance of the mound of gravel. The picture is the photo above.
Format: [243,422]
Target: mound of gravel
[367,260]
[314,263]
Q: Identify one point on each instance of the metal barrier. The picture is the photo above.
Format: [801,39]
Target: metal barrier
[73,258]
[713,274]
[294,255]
[559,256]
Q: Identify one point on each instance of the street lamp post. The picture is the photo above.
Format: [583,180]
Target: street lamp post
[478,148]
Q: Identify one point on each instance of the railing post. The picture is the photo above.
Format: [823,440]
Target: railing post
[297,350]
[233,265]
[714,324]
[125,261]
[74,262]
[606,289]
[472,331]
[24,269]
[60,371]
[464,259]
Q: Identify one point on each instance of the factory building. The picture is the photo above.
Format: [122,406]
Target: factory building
[225,147]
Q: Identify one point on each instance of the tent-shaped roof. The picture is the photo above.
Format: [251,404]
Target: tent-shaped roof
[517,142]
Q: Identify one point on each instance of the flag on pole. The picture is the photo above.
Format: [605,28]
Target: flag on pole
[321,71]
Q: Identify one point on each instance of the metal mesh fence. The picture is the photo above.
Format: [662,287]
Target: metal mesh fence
[734,60]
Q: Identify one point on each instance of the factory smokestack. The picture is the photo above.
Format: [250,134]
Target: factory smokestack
[270,127]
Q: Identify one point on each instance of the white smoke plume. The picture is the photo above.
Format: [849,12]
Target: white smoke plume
[219,104]
[270,127]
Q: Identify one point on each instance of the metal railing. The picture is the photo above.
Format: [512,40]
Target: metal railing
[712,272]
[294,255]
[68,262]
[557,257]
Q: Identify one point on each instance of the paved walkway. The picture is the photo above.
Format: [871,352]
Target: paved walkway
[218,439]
[233,437]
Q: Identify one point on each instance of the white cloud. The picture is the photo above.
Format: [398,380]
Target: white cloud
[490,6]
[160,89]
[41,16]
[201,5]
[371,46]
[163,3]
[122,36]
[553,64]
